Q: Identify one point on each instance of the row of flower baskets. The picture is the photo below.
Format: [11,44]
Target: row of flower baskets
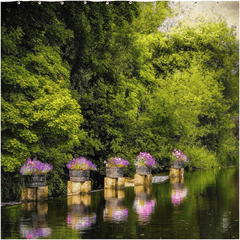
[144,163]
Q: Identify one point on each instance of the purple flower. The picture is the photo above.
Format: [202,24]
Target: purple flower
[179,156]
[81,163]
[35,167]
[116,162]
[145,159]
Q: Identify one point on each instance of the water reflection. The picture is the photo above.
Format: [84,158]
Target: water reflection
[144,204]
[114,210]
[39,227]
[179,192]
[210,210]
[79,217]
[225,221]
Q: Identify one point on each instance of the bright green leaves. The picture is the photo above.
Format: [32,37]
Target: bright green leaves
[195,70]
[39,115]
[138,89]
[151,17]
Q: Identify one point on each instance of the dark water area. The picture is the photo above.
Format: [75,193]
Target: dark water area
[203,205]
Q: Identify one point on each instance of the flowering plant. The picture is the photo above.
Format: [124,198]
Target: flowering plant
[35,167]
[81,163]
[145,159]
[116,162]
[177,155]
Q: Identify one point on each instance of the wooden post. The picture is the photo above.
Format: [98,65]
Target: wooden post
[73,188]
[34,194]
[29,194]
[176,173]
[139,179]
[42,193]
[109,182]
[112,183]
[85,187]
[76,188]
[142,179]
[121,183]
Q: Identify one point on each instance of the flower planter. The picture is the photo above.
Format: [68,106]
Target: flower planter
[35,180]
[114,172]
[178,164]
[143,170]
[79,175]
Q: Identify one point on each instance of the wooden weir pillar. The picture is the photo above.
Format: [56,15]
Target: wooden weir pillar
[79,182]
[142,179]
[176,173]
[114,178]
[112,183]
[35,189]
[143,176]
[34,194]
[76,188]
[177,170]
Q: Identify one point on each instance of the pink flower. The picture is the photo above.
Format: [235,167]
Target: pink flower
[29,236]
[69,218]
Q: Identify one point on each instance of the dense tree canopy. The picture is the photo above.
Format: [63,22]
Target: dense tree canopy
[39,116]
[100,80]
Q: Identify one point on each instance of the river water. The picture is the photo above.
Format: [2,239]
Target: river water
[203,205]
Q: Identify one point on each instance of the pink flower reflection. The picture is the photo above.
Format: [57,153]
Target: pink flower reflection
[144,208]
[30,233]
[69,218]
[178,196]
[83,222]
[120,215]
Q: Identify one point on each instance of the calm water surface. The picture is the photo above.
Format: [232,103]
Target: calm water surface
[204,205]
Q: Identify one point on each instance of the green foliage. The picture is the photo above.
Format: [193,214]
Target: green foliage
[200,157]
[57,180]
[195,77]
[151,17]
[98,81]
[11,186]
[39,116]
